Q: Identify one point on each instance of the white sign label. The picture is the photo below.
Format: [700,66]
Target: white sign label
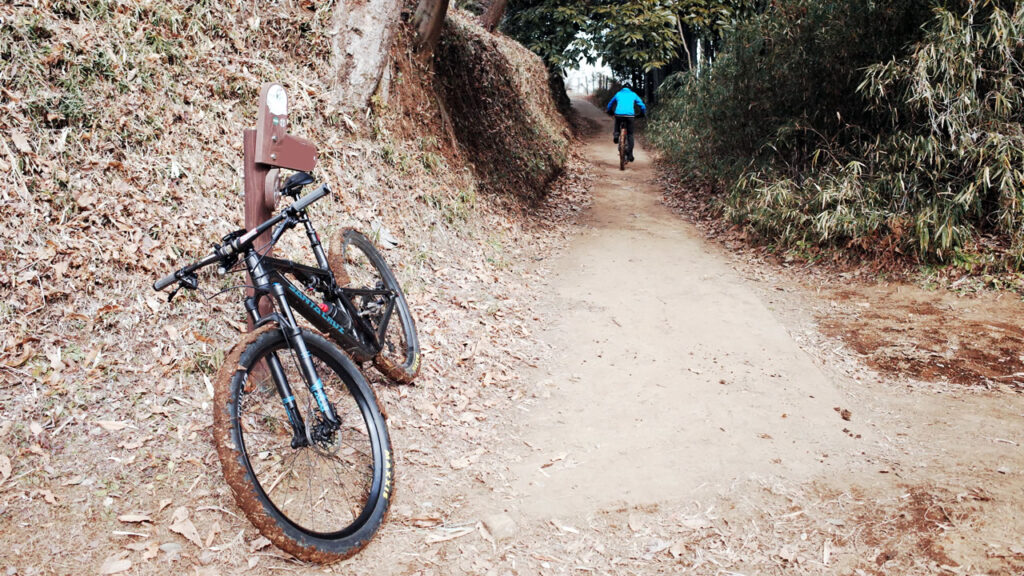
[277,102]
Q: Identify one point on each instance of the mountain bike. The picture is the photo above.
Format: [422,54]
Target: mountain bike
[301,438]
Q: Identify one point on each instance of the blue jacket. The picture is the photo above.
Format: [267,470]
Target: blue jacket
[624,101]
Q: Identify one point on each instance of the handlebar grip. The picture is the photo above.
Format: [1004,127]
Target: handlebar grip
[308,199]
[165,281]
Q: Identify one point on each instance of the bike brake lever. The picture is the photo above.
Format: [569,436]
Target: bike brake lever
[190,281]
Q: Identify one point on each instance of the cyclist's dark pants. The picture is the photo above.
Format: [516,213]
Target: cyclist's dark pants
[628,122]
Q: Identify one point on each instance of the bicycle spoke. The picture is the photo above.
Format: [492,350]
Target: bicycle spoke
[344,485]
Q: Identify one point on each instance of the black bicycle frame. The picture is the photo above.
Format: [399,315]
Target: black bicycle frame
[353,333]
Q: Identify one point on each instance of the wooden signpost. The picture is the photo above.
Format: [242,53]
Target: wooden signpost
[266,149]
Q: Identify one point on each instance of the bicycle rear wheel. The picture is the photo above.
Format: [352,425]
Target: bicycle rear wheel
[320,502]
[354,258]
[622,149]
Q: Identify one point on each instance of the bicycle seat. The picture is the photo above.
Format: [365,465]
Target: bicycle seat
[293,185]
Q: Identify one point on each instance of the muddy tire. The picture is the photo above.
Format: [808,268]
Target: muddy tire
[622,149]
[321,502]
[354,258]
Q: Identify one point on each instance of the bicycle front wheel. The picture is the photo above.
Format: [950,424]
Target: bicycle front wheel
[322,498]
[355,259]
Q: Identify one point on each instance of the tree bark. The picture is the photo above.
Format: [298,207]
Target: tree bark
[557,84]
[492,16]
[362,32]
[688,40]
[428,20]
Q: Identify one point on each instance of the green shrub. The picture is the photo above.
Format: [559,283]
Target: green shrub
[913,151]
[948,171]
[785,83]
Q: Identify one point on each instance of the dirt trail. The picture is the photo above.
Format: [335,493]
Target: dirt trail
[692,417]
[669,373]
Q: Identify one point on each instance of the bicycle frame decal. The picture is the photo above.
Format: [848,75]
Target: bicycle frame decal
[312,307]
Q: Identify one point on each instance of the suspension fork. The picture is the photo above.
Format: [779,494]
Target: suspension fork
[284,389]
[293,334]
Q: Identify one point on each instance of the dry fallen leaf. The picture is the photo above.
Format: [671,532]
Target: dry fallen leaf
[54,356]
[133,518]
[258,544]
[182,525]
[214,530]
[787,553]
[27,353]
[678,549]
[111,425]
[20,142]
[426,520]
[114,565]
[137,546]
[552,462]
[446,534]
[85,200]
[36,428]
[46,494]
[635,523]
[5,467]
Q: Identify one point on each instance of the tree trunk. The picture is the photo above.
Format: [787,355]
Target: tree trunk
[557,84]
[689,42]
[651,82]
[428,20]
[362,32]
[492,16]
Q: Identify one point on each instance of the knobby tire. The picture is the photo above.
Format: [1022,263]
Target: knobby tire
[622,149]
[322,502]
[357,263]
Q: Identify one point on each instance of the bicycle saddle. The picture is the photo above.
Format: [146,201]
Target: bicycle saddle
[293,185]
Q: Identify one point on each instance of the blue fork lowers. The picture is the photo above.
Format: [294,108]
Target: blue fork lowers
[320,499]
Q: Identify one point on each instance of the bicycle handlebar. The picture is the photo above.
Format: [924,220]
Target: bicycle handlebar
[308,199]
[245,241]
[165,281]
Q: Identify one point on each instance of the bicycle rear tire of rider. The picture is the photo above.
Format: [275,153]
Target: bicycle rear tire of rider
[623,158]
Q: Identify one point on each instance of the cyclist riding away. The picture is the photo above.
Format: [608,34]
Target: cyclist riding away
[623,105]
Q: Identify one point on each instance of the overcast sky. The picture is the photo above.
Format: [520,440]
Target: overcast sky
[577,79]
